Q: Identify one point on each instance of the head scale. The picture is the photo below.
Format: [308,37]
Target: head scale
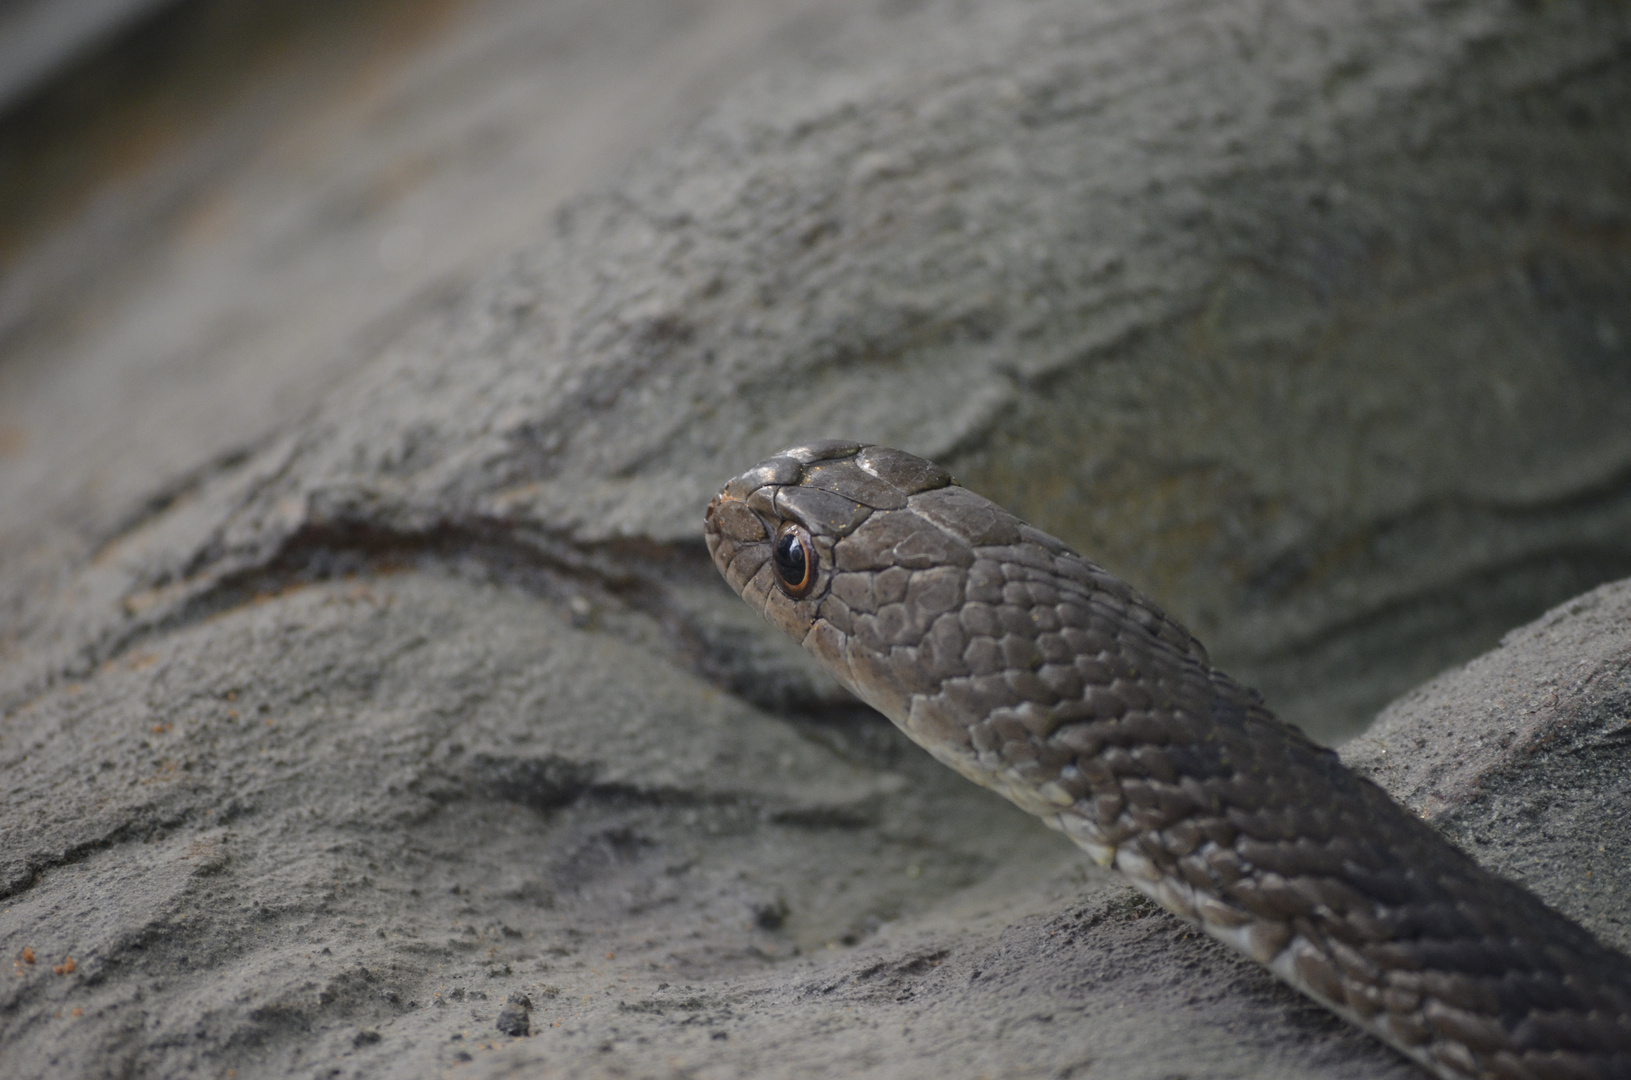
[774,531]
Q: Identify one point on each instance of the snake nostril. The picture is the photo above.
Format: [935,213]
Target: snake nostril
[795,560]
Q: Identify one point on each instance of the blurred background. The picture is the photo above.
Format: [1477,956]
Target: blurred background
[210,208]
[1318,336]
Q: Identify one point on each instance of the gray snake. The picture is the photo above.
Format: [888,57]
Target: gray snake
[1034,672]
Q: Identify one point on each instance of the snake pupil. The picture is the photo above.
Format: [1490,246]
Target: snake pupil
[795,561]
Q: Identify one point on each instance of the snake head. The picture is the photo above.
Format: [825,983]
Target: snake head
[915,592]
[857,552]
[782,532]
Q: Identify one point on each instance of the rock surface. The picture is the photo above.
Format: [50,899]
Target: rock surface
[403,690]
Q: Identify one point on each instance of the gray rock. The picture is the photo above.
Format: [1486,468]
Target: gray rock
[515,1018]
[379,806]
[1267,317]
[412,691]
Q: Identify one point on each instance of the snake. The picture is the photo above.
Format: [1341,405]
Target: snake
[1036,673]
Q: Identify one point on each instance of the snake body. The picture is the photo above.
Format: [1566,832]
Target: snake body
[1034,672]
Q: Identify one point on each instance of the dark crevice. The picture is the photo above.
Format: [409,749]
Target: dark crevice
[539,783]
[1285,574]
[632,574]
[553,783]
[26,874]
[535,561]
[1584,568]
[823,818]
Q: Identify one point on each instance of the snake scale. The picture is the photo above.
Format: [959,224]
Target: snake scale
[1034,672]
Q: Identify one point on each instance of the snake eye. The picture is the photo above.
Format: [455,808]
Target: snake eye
[795,560]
